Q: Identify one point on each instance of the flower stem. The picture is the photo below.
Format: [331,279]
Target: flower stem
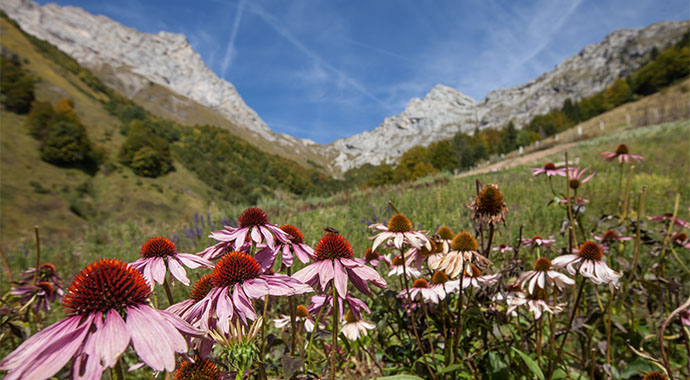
[638,241]
[487,251]
[7,266]
[559,355]
[624,210]
[668,234]
[661,336]
[311,337]
[608,328]
[168,292]
[38,254]
[334,341]
[414,324]
[572,239]
[293,331]
[117,372]
[458,328]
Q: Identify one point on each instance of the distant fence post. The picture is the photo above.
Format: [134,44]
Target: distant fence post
[556,138]
[521,150]
[537,142]
[627,119]
[601,126]
[579,130]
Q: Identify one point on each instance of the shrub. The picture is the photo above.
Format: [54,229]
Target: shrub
[16,85]
[67,144]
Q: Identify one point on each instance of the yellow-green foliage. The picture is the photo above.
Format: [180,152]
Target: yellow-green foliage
[16,85]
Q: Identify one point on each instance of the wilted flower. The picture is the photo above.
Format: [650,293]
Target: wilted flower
[198,291]
[622,153]
[654,375]
[420,288]
[489,206]
[685,317]
[463,249]
[549,169]
[356,305]
[536,302]
[159,251]
[592,266]
[46,289]
[444,236]
[397,267]
[537,242]
[681,239]
[294,246]
[108,310]
[443,285]
[355,327]
[473,276]
[253,226]
[399,229]
[237,279]
[334,264]
[503,247]
[542,275]
[301,315]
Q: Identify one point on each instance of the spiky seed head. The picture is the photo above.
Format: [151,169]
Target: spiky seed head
[574,183]
[295,234]
[590,250]
[654,375]
[439,277]
[537,294]
[399,223]
[201,287]
[445,233]
[475,271]
[235,267]
[549,166]
[252,216]
[331,247]
[543,264]
[426,252]
[622,149]
[610,235]
[370,255]
[490,201]
[302,311]
[464,242]
[680,237]
[420,283]
[349,317]
[158,247]
[201,369]
[398,260]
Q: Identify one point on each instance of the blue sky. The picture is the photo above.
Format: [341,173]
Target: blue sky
[329,69]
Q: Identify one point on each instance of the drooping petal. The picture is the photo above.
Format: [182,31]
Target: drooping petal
[256,288]
[112,339]
[242,304]
[325,272]
[194,261]
[340,278]
[150,340]
[158,269]
[177,270]
[224,309]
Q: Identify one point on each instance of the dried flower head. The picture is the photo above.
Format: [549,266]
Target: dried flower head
[489,205]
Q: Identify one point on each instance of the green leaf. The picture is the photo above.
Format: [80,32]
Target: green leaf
[400,377]
[450,368]
[533,366]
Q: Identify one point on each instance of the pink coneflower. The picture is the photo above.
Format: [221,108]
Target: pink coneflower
[444,236]
[622,153]
[685,317]
[398,270]
[399,229]
[592,266]
[237,279]
[355,327]
[356,305]
[549,169]
[373,258]
[46,272]
[537,242]
[420,289]
[473,276]
[159,251]
[197,292]
[443,285]
[577,177]
[46,289]
[334,265]
[536,302]
[610,236]
[681,239]
[542,275]
[293,247]
[667,218]
[503,248]
[200,368]
[108,310]
[254,226]
[301,315]
[574,200]
[464,249]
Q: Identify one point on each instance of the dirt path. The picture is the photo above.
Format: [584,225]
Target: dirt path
[517,161]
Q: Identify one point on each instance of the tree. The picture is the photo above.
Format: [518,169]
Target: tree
[443,156]
[138,138]
[616,94]
[67,144]
[40,119]
[16,85]
[508,138]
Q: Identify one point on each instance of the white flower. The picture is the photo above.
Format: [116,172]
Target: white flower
[542,275]
[589,255]
[354,328]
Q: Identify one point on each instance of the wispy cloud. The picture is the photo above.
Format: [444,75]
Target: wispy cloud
[338,76]
[230,52]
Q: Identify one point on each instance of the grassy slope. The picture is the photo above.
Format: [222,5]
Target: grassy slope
[116,195]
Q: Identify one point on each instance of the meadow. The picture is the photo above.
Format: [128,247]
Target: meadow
[611,332]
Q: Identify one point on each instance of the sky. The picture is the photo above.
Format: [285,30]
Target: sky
[325,70]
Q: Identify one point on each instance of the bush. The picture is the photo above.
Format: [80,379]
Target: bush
[147,154]
[16,85]
[40,119]
[148,162]
[67,144]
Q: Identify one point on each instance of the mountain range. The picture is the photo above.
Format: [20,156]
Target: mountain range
[165,75]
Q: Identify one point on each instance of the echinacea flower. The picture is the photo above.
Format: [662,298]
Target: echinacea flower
[46,272]
[355,327]
[444,236]
[373,258]
[237,279]
[549,169]
[108,309]
[609,237]
[301,315]
[420,289]
[464,248]
[503,248]
[577,177]
[197,292]
[542,275]
[158,252]
[334,264]
[294,246]
[399,229]
[254,226]
[398,270]
[43,293]
[592,266]
[356,305]
[622,153]
[473,276]
[666,218]
[489,206]
[443,285]
[537,242]
[654,375]
[685,317]
[536,302]
[681,239]
[200,368]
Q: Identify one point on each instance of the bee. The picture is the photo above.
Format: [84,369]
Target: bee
[330,230]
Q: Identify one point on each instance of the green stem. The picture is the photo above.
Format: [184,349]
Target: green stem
[168,292]
[38,254]
[293,331]
[117,372]
[311,337]
[559,355]
[334,341]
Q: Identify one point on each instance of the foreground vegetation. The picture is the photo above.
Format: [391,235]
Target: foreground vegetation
[494,342]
